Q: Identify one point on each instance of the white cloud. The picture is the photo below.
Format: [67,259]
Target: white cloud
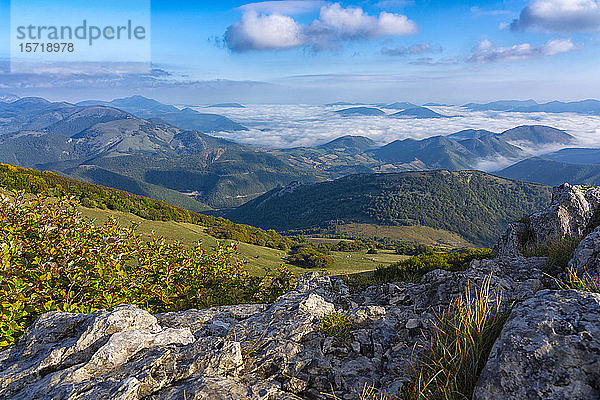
[559,16]
[486,51]
[264,32]
[284,126]
[273,31]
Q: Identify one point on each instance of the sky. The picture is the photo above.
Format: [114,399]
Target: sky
[316,52]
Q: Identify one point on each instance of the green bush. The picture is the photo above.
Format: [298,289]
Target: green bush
[51,258]
[336,325]
[413,269]
[309,255]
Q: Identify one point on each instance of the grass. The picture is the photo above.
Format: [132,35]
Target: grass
[336,325]
[558,253]
[258,258]
[582,281]
[408,234]
[461,340]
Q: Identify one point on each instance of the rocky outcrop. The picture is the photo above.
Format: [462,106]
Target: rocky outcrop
[549,349]
[247,351]
[574,212]
[586,258]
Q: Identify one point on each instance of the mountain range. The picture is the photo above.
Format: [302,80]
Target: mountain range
[130,144]
[586,107]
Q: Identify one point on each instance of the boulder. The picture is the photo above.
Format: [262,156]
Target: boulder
[585,261]
[548,349]
[574,212]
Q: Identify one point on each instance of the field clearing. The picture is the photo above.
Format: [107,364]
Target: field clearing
[258,259]
[410,234]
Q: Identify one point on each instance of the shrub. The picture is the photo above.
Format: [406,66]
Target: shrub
[413,269]
[372,250]
[336,325]
[309,255]
[461,340]
[414,249]
[51,258]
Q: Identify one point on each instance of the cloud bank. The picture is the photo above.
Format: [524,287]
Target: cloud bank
[559,16]
[263,28]
[486,51]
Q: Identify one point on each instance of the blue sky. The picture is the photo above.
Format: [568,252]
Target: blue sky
[380,50]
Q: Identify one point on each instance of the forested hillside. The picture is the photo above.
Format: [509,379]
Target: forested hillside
[473,204]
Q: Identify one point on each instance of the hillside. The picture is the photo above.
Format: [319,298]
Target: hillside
[418,112]
[360,111]
[108,146]
[575,156]
[473,204]
[551,172]
[187,118]
[586,107]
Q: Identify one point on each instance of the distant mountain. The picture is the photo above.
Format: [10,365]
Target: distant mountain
[502,105]
[400,105]
[8,97]
[436,105]
[360,111]
[85,118]
[187,118]
[575,156]
[473,204]
[586,107]
[112,147]
[471,134]
[537,134]
[418,112]
[533,134]
[349,144]
[489,147]
[32,113]
[227,105]
[342,103]
[435,152]
[553,173]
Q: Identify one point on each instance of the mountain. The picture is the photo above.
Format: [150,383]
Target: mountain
[6,97]
[402,105]
[360,111]
[342,103]
[487,146]
[32,113]
[443,152]
[575,156]
[502,105]
[435,152]
[85,118]
[418,112]
[227,105]
[551,172]
[187,118]
[537,134]
[473,204]
[586,107]
[112,147]
[470,134]
[349,144]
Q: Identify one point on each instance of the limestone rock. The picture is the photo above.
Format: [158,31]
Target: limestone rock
[548,349]
[586,258]
[574,211]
